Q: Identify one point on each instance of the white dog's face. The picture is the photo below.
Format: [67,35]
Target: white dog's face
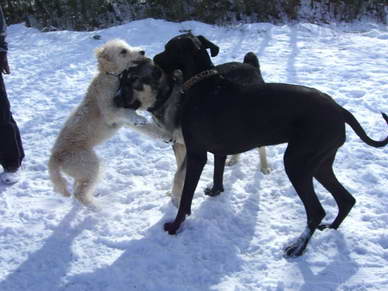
[116,55]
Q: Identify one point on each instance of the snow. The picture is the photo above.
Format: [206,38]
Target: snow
[231,242]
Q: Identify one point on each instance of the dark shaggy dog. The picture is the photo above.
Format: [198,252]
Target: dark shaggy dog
[224,118]
[244,73]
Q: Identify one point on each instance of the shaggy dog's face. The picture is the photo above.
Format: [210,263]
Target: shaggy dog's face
[116,55]
[139,86]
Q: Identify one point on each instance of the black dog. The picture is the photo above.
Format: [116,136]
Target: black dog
[223,117]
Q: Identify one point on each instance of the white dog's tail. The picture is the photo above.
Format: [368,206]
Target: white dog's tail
[56,177]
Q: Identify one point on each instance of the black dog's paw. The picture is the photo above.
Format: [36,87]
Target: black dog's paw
[293,252]
[213,191]
[322,227]
[171,227]
[296,249]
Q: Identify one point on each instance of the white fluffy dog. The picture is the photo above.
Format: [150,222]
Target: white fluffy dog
[94,120]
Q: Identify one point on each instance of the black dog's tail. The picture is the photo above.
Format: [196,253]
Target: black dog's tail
[251,59]
[352,121]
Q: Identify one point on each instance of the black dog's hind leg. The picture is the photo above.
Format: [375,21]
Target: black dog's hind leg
[195,163]
[218,184]
[299,163]
[345,201]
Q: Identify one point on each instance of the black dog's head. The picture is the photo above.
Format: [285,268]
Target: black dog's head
[187,52]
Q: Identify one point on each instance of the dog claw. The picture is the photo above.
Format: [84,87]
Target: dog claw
[231,163]
[140,123]
[295,250]
[213,191]
[298,247]
[266,171]
[169,141]
[322,227]
[292,252]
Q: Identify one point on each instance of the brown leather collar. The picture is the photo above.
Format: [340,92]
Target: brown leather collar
[197,78]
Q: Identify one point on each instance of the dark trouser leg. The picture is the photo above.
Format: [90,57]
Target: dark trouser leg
[11,147]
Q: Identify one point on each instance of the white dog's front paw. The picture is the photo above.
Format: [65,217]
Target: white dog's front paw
[265,170]
[168,139]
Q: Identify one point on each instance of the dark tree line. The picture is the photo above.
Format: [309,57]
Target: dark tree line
[94,14]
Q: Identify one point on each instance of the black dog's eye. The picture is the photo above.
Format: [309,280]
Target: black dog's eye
[124,51]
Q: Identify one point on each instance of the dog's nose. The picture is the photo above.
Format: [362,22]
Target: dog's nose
[142,53]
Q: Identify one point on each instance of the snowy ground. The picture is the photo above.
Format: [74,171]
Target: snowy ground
[232,242]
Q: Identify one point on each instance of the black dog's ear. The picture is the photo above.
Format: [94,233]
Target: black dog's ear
[190,44]
[214,49]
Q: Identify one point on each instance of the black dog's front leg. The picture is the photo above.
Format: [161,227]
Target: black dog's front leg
[218,184]
[195,164]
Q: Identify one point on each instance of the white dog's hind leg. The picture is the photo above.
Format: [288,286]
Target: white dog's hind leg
[54,167]
[264,167]
[84,168]
[83,191]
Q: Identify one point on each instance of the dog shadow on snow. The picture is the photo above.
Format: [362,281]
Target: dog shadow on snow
[331,273]
[200,256]
[204,254]
[44,268]
[328,274]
